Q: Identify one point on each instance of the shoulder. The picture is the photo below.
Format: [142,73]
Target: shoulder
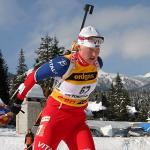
[55,67]
[59,65]
[60,61]
[63,60]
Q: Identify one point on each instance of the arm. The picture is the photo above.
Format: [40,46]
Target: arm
[54,68]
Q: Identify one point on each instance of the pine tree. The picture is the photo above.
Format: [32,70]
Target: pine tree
[48,49]
[118,100]
[22,67]
[104,100]
[4,88]
[143,108]
[20,73]
[110,109]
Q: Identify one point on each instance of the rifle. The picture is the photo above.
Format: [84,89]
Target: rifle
[88,9]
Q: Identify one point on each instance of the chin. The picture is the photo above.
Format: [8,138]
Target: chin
[91,62]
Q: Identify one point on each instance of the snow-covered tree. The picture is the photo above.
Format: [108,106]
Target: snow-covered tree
[141,101]
[143,108]
[118,101]
[4,88]
[110,110]
[49,48]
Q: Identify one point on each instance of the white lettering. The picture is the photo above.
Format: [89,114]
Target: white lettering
[21,88]
[39,144]
[52,67]
[62,63]
[77,96]
[39,130]
[45,119]
[44,146]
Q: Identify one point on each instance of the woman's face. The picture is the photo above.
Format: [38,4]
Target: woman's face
[89,54]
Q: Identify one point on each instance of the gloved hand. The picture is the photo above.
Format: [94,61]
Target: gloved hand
[16,106]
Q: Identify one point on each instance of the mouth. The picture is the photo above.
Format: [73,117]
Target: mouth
[92,58]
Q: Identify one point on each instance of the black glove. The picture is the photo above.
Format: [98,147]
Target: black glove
[16,106]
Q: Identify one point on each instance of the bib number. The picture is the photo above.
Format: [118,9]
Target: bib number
[85,89]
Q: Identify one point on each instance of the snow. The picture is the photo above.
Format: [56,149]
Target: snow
[148,119]
[147,75]
[130,82]
[94,106]
[107,130]
[10,140]
[109,76]
[131,109]
[119,143]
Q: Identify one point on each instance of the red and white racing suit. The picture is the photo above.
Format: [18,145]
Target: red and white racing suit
[63,117]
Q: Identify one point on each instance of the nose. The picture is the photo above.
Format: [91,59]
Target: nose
[95,52]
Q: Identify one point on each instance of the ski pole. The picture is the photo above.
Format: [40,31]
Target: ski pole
[14,94]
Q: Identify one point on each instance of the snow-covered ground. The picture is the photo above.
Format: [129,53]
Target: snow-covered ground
[9,140]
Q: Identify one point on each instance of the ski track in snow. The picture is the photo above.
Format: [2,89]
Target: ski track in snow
[9,140]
